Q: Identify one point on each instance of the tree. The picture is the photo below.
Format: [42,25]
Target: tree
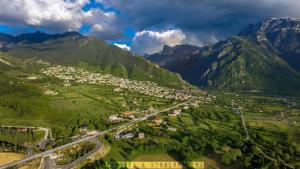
[231,156]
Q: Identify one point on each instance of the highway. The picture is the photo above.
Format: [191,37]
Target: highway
[99,146]
[87,138]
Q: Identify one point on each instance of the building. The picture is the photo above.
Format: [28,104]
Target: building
[32,78]
[50,92]
[151,109]
[22,130]
[141,135]
[158,120]
[172,129]
[175,113]
[124,135]
[128,115]
[117,89]
[83,129]
[115,119]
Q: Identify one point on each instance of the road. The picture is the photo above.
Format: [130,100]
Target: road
[259,149]
[45,130]
[87,138]
[47,133]
[99,145]
[243,123]
[48,162]
[43,142]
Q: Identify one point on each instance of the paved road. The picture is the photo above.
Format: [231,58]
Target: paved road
[48,152]
[47,132]
[99,145]
[243,123]
[48,162]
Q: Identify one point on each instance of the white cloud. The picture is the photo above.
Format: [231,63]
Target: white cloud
[58,16]
[104,24]
[202,18]
[122,46]
[150,41]
[54,14]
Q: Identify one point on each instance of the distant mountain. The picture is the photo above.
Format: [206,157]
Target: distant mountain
[39,37]
[278,35]
[72,48]
[5,40]
[187,60]
[5,37]
[170,54]
[263,57]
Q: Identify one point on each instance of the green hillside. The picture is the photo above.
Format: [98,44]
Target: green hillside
[243,66]
[78,50]
[23,100]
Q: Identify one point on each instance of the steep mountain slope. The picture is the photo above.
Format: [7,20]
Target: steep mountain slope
[186,60]
[240,65]
[74,49]
[279,35]
[174,54]
[251,61]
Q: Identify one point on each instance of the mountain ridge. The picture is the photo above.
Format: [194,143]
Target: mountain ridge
[225,65]
[72,48]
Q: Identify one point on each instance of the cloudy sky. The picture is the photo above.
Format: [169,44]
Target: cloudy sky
[142,26]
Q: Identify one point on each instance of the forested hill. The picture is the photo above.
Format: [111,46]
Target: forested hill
[72,48]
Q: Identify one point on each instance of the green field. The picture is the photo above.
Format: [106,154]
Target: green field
[212,132]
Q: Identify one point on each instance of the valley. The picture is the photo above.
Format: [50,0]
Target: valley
[71,101]
[77,103]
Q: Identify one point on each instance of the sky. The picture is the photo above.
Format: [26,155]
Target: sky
[142,26]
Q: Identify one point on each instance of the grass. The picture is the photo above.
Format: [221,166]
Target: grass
[78,105]
[8,157]
[213,162]
[101,99]
[219,118]
[74,105]
[154,158]
[101,153]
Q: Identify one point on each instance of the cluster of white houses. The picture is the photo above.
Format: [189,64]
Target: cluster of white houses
[156,121]
[50,92]
[128,135]
[121,117]
[76,75]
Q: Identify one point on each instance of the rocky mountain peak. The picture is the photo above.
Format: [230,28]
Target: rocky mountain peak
[271,25]
[166,49]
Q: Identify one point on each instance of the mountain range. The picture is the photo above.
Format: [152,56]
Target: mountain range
[262,57]
[72,48]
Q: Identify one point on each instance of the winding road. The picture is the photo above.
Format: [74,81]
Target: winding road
[87,138]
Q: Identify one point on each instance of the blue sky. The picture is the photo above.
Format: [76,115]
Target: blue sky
[144,26]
